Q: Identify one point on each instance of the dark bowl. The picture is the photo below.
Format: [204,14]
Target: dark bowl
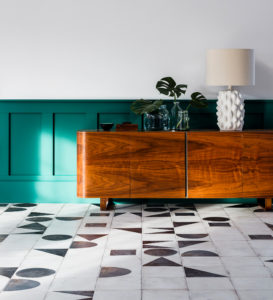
[106,126]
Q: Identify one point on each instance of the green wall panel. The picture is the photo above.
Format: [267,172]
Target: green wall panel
[4,144]
[25,144]
[65,151]
[38,141]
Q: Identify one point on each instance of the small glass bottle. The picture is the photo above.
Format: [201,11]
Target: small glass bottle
[153,121]
[174,115]
[183,120]
[165,117]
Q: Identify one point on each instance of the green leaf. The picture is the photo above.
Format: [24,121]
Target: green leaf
[180,89]
[198,100]
[142,106]
[166,86]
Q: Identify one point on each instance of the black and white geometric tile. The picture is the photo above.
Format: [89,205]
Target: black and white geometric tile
[143,251]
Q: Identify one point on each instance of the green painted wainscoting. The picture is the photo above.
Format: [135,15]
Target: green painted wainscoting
[38,141]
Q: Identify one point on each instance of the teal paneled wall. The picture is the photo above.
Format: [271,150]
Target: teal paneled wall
[38,141]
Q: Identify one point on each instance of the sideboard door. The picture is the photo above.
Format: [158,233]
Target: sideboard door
[258,164]
[103,165]
[214,164]
[157,165]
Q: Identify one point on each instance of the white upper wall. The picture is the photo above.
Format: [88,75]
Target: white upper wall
[119,49]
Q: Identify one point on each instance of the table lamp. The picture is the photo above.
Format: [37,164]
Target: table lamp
[230,67]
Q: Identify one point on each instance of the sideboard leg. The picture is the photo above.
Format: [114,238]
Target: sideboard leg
[103,203]
[265,202]
[268,203]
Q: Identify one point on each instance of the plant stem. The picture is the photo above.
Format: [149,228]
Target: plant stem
[188,106]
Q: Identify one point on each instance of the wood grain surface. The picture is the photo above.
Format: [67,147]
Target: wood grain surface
[103,165]
[258,164]
[157,165]
[214,164]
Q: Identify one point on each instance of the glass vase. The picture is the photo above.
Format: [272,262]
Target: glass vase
[183,120]
[165,117]
[174,115]
[153,121]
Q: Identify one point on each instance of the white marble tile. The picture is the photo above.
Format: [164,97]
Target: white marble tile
[213,295]
[12,257]
[262,247]
[248,271]
[226,234]
[19,242]
[165,283]
[3,282]
[213,283]
[24,295]
[117,295]
[59,296]
[192,228]
[252,283]
[241,261]
[165,295]
[234,248]
[201,261]
[255,294]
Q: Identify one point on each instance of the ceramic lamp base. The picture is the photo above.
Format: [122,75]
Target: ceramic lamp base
[230,111]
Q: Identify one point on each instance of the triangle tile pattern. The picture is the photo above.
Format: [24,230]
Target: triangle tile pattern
[167,214]
[7,272]
[3,237]
[39,214]
[80,293]
[166,230]
[135,230]
[199,273]
[33,226]
[178,224]
[139,214]
[31,232]
[269,225]
[58,252]
[14,209]
[162,262]
[25,205]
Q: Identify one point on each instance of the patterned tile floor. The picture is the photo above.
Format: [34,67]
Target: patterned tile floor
[149,252]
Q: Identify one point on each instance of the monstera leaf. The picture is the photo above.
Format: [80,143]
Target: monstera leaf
[142,106]
[198,100]
[168,87]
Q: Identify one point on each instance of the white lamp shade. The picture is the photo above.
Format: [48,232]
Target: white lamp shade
[230,67]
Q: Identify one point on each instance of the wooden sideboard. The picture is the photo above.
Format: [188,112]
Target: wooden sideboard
[194,164]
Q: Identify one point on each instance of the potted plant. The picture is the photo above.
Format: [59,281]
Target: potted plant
[154,111]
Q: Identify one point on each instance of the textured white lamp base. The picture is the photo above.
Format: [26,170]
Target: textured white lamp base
[230,110]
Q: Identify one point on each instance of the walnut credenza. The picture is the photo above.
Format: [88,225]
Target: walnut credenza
[194,164]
